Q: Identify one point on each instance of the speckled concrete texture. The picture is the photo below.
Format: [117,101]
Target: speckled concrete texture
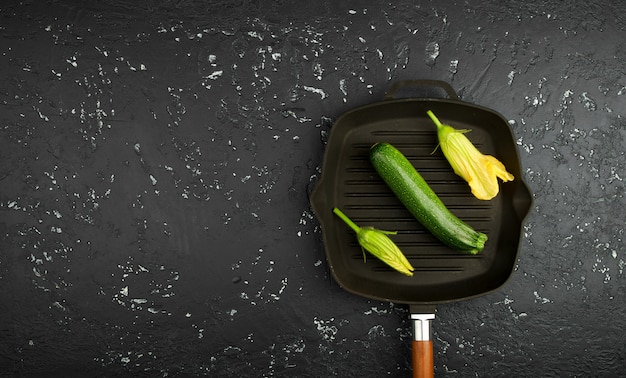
[156,160]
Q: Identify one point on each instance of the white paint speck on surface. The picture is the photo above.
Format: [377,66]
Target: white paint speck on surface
[215,75]
[432,52]
[511,76]
[541,299]
[454,66]
[326,328]
[343,87]
[318,91]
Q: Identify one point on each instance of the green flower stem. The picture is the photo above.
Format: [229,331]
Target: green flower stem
[444,130]
[345,218]
[434,118]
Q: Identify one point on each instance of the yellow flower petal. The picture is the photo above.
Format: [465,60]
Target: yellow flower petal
[483,181]
[378,244]
[480,171]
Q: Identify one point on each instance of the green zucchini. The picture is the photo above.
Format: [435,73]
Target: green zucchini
[413,191]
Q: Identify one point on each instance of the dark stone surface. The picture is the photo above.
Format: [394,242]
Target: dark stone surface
[156,157]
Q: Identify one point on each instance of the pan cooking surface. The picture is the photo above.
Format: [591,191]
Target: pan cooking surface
[350,183]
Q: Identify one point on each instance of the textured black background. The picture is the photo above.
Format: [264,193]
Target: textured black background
[156,160]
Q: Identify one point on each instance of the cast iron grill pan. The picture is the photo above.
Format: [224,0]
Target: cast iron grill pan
[350,182]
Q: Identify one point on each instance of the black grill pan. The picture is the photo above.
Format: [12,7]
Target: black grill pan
[349,182]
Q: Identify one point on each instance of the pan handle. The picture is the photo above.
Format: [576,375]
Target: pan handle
[421,89]
[423,360]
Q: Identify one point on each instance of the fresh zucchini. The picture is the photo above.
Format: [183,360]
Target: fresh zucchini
[413,191]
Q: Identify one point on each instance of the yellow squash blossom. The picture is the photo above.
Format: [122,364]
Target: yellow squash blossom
[480,171]
[378,244]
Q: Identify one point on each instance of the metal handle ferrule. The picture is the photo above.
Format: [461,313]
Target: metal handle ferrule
[421,326]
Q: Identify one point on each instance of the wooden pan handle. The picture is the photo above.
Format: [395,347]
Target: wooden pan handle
[423,361]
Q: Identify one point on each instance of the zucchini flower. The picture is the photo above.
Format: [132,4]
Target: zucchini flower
[480,171]
[378,244]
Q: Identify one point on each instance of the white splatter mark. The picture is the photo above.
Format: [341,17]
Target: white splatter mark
[41,115]
[588,102]
[376,310]
[72,61]
[432,52]
[342,87]
[318,70]
[376,331]
[511,76]
[454,65]
[541,299]
[319,91]
[284,285]
[297,346]
[215,75]
[256,35]
[326,329]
